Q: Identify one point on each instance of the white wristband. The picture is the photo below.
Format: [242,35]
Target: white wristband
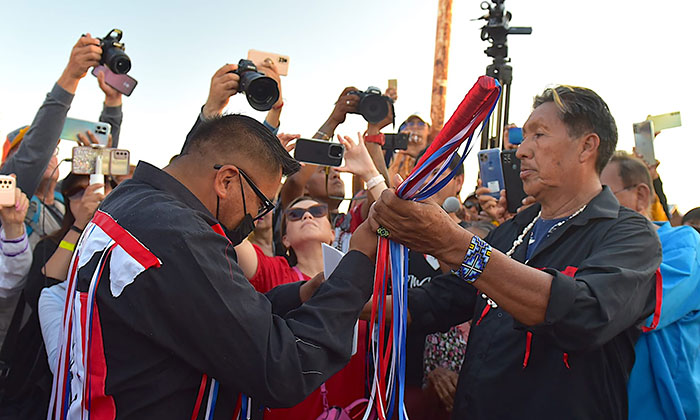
[373,182]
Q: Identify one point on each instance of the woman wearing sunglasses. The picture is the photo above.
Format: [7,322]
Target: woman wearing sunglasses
[305,226]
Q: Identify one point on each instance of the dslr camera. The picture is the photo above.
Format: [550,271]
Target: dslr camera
[373,106]
[261,91]
[113,55]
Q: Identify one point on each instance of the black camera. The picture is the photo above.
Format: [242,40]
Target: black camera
[113,55]
[261,91]
[373,106]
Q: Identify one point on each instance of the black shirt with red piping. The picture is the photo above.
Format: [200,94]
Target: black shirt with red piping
[575,365]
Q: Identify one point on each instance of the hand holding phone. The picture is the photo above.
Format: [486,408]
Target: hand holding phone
[73,126]
[644,141]
[7,191]
[113,161]
[122,83]
[490,171]
[515,194]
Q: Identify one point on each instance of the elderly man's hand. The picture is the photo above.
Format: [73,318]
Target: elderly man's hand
[364,239]
[422,226]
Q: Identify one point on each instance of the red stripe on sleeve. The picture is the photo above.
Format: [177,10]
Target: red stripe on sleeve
[125,240]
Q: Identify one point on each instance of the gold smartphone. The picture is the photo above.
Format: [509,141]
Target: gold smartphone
[281,61]
[664,121]
[114,161]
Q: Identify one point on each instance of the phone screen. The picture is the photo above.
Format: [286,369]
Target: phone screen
[123,83]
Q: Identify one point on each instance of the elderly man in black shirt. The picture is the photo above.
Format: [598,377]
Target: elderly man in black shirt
[556,294]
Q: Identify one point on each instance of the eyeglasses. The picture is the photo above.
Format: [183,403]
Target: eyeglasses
[55,152]
[413,123]
[317,211]
[625,189]
[266,205]
[469,204]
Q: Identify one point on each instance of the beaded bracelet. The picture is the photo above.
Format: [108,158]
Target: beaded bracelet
[478,255]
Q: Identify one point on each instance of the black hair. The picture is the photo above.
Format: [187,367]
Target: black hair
[583,111]
[243,135]
[69,186]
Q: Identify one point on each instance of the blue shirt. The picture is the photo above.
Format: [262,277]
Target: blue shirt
[539,232]
[665,380]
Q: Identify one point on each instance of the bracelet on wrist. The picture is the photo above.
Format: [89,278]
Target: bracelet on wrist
[477,256]
[323,135]
[67,246]
[374,181]
[375,138]
[75,228]
[278,107]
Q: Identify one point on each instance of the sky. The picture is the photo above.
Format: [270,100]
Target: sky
[637,55]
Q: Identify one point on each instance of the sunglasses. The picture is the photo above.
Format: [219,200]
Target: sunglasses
[411,124]
[317,211]
[266,205]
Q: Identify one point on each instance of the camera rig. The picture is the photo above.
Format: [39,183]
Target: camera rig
[496,31]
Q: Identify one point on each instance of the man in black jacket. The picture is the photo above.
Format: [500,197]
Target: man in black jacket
[165,325]
[557,293]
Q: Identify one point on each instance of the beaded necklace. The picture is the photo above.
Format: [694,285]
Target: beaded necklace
[519,240]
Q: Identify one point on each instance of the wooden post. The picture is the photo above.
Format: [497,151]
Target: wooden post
[442,52]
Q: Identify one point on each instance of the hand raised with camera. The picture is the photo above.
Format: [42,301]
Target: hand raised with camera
[344,105]
[357,159]
[112,96]
[224,84]
[86,53]
[85,208]
[12,217]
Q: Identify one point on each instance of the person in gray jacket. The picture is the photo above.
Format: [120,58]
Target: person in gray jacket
[30,151]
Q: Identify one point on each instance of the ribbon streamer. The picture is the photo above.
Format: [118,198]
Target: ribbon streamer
[388,348]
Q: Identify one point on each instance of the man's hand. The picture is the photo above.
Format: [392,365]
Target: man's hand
[364,239]
[87,205]
[309,288]
[224,84]
[12,217]
[88,139]
[85,54]
[344,105]
[376,128]
[112,96]
[421,226]
[357,158]
[444,382]
[288,141]
[652,168]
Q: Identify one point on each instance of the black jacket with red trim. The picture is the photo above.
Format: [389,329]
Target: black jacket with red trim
[576,364]
[196,314]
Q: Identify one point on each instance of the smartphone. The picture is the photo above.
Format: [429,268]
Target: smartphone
[515,135]
[397,141]
[490,171]
[644,141]
[7,191]
[281,61]
[664,121]
[319,152]
[73,126]
[123,83]
[114,161]
[511,178]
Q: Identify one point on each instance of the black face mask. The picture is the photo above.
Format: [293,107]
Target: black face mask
[245,228]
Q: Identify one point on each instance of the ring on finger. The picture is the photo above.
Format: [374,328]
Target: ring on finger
[383,232]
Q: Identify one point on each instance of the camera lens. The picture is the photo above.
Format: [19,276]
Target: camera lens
[116,59]
[373,108]
[335,151]
[261,91]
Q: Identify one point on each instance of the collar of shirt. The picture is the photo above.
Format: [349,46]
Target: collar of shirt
[159,179]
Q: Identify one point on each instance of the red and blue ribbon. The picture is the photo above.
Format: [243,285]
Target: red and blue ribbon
[389,347]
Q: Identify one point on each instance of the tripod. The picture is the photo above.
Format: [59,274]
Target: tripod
[496,32]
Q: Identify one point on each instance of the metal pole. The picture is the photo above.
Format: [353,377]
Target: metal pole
[442,52]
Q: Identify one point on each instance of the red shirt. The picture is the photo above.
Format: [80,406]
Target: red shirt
[345,386]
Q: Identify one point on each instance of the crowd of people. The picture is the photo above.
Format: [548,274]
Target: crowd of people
[197,290]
